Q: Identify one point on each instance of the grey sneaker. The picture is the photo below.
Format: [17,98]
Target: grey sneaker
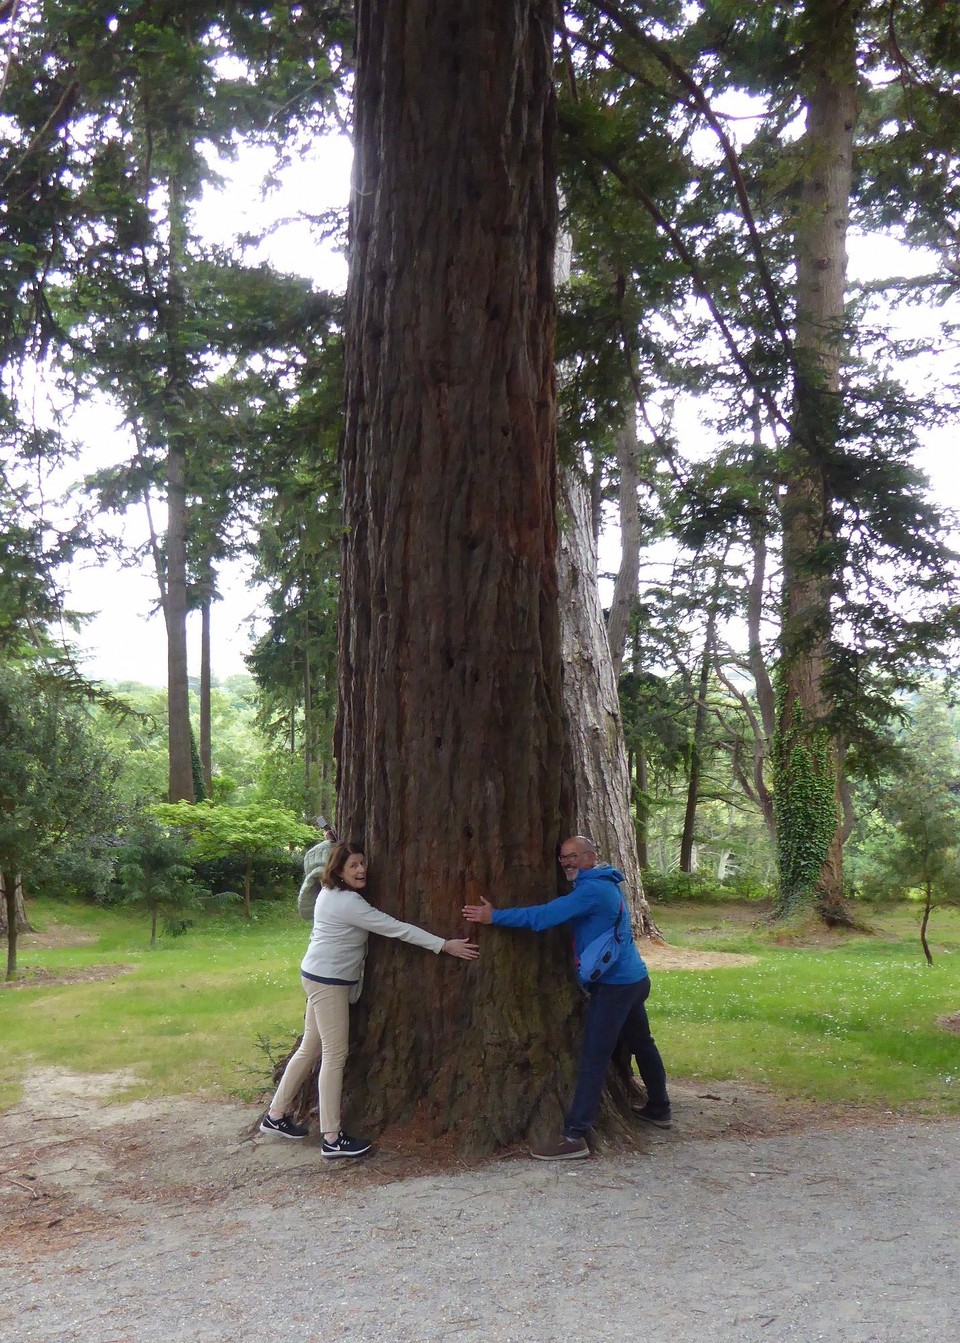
[561,1149]
[284,1126]
[658,1116]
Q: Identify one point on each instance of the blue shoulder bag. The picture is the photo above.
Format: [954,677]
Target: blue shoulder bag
[601,954]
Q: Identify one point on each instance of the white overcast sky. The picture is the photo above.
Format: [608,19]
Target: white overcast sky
[124,640]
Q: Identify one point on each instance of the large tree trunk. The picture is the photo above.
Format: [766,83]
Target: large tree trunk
[597,764]
[810,846]
[450,736]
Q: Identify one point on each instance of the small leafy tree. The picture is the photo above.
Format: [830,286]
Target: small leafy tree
[920,806]
[154,874]
[57,779]
[248,832]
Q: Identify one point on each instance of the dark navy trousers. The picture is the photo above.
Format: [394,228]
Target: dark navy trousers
[614,1010]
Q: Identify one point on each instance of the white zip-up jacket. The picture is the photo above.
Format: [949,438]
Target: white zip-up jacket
[342,923]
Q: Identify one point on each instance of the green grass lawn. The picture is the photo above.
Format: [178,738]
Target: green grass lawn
[185,1019]
[853,1019]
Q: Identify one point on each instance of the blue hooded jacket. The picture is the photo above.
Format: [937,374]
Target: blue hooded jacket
[591,909]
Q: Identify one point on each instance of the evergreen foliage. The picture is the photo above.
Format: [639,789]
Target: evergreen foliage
[687,163]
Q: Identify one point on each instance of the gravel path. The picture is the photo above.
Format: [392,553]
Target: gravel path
[847,1234]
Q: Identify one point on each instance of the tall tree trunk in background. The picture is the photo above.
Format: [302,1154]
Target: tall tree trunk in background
[206,680]
[598,760]
[309,727]
[688,835]
[13,915]
[175,598]
[628,574]
[175,617]
[9,880]
[23,923]
[766,726]
[450,736]
[810,845]
[641,807]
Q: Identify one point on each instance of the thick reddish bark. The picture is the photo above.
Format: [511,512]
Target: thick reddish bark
[450,736]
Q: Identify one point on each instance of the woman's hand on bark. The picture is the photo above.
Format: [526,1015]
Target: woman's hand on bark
[462,948]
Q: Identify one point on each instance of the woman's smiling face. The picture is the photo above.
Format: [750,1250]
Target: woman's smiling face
[355,872]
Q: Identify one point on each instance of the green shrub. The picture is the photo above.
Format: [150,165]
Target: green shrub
[702,888]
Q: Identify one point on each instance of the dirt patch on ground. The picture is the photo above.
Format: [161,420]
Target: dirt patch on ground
[35,975]
[659,956]
[950,1023]
[57,935]
[74,1161]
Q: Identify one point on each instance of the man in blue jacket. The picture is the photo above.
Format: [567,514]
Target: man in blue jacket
[617,998]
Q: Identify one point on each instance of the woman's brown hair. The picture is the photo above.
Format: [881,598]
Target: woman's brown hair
[333,872]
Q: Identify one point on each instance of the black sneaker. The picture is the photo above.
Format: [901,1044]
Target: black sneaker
[658,1116]
[344,1146]
[284,1126]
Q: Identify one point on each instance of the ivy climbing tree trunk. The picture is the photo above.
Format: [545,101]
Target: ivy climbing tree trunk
[806,758]
[451,730]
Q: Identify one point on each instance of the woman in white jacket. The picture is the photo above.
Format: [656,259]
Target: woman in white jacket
[332,976]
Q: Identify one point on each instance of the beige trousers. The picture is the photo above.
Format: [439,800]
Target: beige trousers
[326,1034]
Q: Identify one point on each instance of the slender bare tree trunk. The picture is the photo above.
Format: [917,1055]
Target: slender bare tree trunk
[696,747]
[175,600]
[10,882]
[598,759]
[631,536]
[206,734]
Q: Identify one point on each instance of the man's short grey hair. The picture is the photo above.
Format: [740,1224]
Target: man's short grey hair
[587,844]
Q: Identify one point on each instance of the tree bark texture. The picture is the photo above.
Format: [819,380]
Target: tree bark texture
[628,574]
[810,846]
[21,921]
[597,765]
[449,740]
